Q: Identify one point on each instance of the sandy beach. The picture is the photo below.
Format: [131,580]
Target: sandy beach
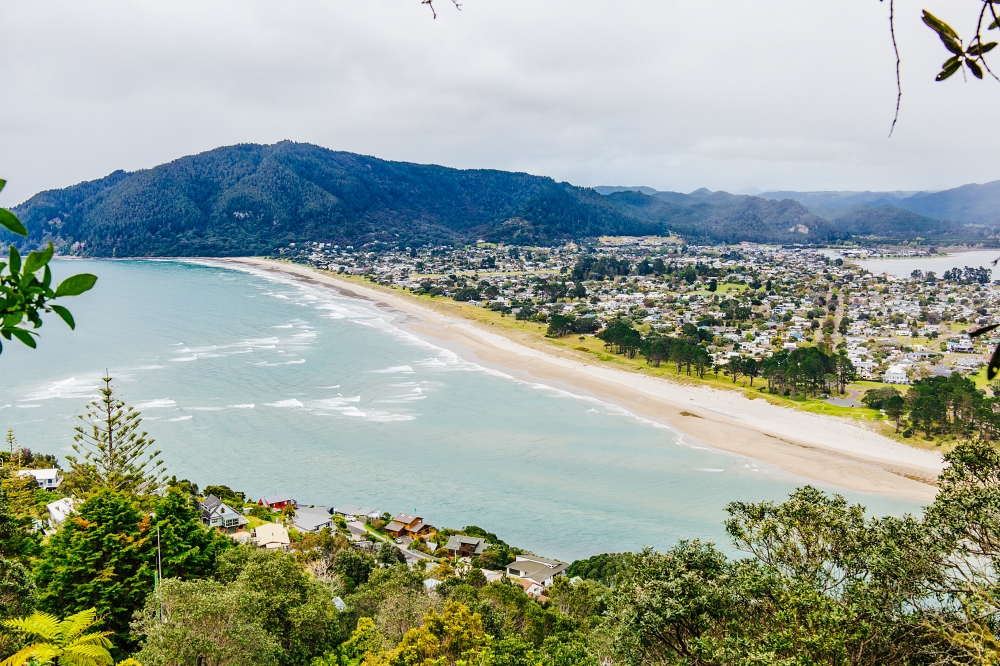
[825,449]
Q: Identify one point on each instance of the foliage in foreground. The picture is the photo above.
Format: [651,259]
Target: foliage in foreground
[24,296]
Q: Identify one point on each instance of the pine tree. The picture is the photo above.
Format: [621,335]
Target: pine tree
[102,557]
[113,453]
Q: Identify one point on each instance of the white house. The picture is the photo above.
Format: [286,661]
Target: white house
[60,510]
[536,569]
[961,346]
[47,479]
[896,374]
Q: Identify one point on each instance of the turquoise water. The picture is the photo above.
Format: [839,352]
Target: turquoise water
[271,386]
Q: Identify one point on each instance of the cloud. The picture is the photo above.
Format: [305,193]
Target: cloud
[727,95]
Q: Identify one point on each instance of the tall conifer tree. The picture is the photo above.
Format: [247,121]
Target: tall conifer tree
[112,452]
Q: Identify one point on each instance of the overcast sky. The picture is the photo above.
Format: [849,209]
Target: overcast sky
[673,94]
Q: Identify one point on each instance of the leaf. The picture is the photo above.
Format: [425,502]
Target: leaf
[24,336]
[15,261]
[952,45]
[951,66]
[76,285]
[985,329]
[66,316]
[994,366]
[974,67]
[980,49]
[939,26]
[10,222]
[37,259]
[2,183]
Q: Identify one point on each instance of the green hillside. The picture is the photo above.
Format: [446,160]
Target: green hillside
[253,199]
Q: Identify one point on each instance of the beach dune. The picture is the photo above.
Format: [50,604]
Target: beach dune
[825,449]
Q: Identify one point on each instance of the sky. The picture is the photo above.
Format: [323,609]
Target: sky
[671,94]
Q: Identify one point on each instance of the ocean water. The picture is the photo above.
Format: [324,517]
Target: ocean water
[904,266]
[271,386]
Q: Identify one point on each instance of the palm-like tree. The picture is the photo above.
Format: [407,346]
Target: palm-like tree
[65,642]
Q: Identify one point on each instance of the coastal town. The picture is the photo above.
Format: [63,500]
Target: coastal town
[746,300]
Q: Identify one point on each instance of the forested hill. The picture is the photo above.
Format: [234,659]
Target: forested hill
[253,199]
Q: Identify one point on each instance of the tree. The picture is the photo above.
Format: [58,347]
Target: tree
[354,566]
[187,550]
[751,368]
[895,408]
[23,296]
[560,325]
[102,558]
[66,641]
[292,606]
[846,372]
[17,590]
[455,633]
[204,622]
[112,452]
[735,367]
[16,541]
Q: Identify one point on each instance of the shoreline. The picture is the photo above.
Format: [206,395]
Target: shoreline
[820,448]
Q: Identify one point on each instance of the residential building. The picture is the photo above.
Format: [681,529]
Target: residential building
[312,520]
[406,525]
[272,536]
[47,479]
[352,512]
[60,510]
[896,374]
[538,569]
[216,513]
[276,502]
[533,589]
[460,545]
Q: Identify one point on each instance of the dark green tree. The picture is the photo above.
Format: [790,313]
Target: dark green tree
[187,549]
[100,558]
[17,542]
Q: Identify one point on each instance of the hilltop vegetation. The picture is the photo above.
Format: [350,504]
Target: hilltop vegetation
[253,199]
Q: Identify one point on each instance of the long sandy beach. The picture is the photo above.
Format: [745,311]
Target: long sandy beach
[825,449]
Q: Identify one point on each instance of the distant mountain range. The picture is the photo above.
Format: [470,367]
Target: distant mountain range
[254,199]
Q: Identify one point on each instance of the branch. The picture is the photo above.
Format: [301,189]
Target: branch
[895,48]
[430,3]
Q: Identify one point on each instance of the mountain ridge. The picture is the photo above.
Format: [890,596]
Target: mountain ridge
[256,199]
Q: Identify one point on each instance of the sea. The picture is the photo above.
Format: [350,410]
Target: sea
[269,386]
[904,266]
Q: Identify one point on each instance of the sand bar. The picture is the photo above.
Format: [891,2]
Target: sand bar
[825,449]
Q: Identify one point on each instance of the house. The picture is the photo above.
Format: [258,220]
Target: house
[60,510]
[351,512]
[407,525]
[460,545]
[276,502]
[47,479]
[312,520]
[272,536]
[216,513]
[533,589]
[896,374]
[961,346]
[537,569]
